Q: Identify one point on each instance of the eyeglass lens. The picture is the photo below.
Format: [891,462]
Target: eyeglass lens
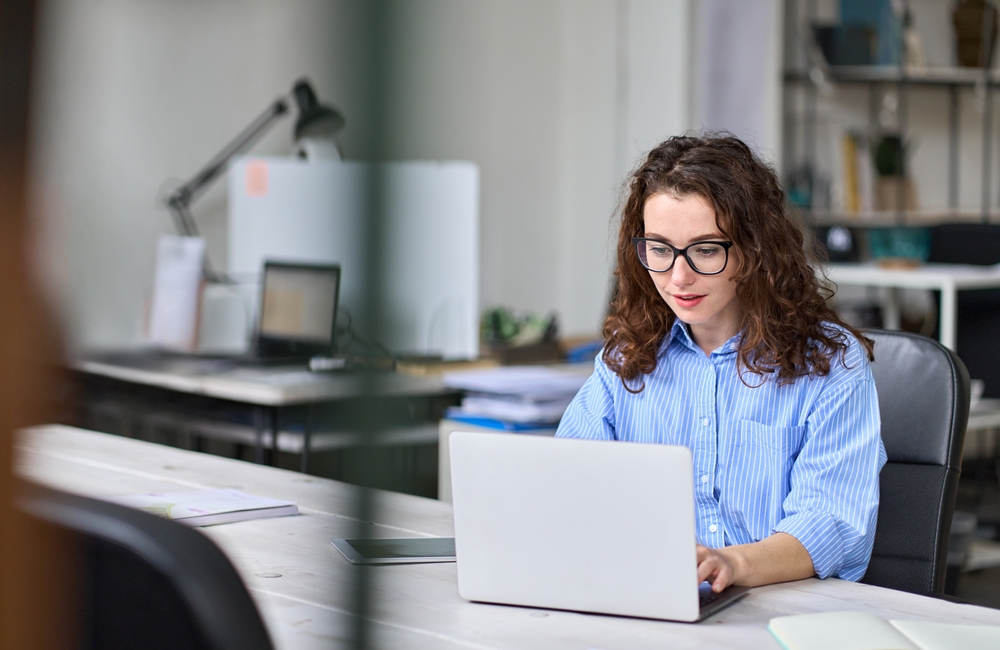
[703,257]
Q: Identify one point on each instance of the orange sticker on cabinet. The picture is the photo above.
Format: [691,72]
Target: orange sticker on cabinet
[256,178]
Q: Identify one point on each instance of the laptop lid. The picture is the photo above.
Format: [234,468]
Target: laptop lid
[581,525]
[298,310]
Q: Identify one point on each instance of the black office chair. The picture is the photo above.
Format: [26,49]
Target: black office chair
[150,583]
[923,394]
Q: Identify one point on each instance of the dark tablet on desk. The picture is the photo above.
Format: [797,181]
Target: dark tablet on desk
[397,550]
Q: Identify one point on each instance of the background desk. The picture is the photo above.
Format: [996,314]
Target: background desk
[418,605]
[949,279]
[283,408]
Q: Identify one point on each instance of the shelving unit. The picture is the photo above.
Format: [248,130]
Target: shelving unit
[804,80]
[925,75]
[888,218]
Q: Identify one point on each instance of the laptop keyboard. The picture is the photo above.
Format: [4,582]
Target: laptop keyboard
[707,599]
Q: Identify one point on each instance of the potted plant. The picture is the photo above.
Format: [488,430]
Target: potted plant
[894,190]
[899,246]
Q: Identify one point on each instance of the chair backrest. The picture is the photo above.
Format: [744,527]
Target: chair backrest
[923,394]
[150,583]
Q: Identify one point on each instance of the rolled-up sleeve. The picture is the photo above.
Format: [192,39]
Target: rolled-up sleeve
[832,503]
[591,414]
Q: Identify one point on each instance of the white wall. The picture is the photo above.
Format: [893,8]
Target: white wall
[738,64]
[131,94]
[553,100]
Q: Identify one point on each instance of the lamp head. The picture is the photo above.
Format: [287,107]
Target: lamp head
[315,120]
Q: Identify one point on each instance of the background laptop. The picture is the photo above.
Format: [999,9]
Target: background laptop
[298,317]
[581,525]
[298,311]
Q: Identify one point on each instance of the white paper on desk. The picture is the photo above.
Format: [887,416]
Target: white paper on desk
[514,408]
[537,383]
[173,318]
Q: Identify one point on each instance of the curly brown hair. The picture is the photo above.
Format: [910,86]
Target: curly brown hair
[784,303]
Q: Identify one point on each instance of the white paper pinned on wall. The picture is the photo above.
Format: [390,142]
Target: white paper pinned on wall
[173,318]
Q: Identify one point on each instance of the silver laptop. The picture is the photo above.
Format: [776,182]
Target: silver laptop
[581,525]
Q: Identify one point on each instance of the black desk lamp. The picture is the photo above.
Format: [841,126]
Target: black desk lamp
[315,121]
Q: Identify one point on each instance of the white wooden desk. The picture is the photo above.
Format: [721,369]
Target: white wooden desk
[949,279]
[265,391]
[266,385]
[416,606]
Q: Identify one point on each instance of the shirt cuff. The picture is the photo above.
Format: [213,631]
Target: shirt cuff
[819,534]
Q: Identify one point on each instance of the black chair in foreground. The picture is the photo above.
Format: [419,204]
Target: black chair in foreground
[150,583]
[923,394]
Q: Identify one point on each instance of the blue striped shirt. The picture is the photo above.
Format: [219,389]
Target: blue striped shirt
[800,458]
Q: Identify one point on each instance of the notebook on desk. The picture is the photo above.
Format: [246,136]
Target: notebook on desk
[581,525]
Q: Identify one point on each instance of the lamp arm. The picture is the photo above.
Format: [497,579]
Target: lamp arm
[179,200]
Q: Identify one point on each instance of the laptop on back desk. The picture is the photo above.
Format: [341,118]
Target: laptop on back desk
[298,310]
[298,316]
[580,525]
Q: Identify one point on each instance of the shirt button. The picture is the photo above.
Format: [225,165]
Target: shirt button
[713,528]
[704,478]
[704,422]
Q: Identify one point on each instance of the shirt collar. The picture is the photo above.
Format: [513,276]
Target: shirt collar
[679,333]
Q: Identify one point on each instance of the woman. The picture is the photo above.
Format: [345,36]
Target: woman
[720,339]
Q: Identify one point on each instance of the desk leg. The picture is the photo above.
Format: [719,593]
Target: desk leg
[194,439]
[891,318]
[265,420]
[258,444]
[272,425]
[949,316]
[306,436]
[995,449]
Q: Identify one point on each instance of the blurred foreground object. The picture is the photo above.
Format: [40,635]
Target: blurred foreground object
[36,562]
[148,582]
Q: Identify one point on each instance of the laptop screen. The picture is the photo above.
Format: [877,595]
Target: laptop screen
[298,308]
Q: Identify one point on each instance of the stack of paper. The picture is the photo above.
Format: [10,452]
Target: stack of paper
[173,318]
[207,507]
[517,394]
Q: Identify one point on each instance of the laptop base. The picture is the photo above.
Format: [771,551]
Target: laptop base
[710,602]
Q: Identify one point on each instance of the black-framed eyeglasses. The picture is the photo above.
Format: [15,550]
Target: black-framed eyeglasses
[704,257]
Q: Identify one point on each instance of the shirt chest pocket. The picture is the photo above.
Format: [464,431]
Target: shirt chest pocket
[757,463]
[754,437]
